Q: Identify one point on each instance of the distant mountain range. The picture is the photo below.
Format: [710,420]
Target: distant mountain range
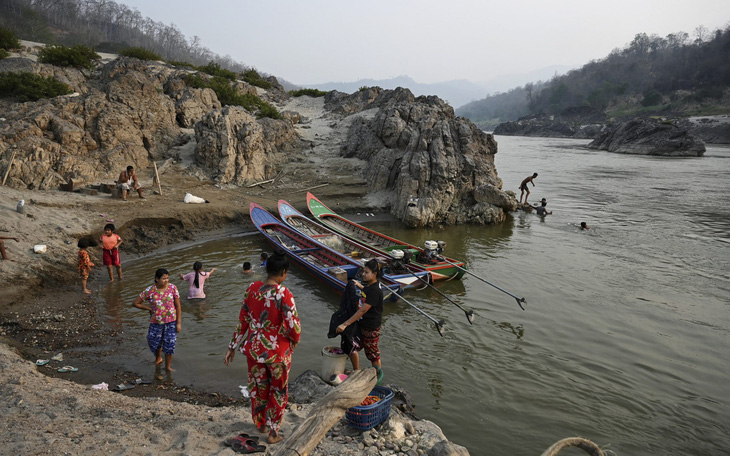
[457,92]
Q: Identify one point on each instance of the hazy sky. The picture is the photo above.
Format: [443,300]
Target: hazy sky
[316,41]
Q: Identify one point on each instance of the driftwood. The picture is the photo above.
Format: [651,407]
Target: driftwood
[157,178]
[316,186]
[327,411]
[584,444]
[10,165]
[260,183]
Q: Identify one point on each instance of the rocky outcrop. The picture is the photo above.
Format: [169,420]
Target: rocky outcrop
[710,129]
[649,137]
[439,168]
[238,149]
[72,77]
[125,112]
[577,122]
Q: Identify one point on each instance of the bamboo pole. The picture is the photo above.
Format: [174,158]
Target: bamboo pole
[316,186]
[10,165]
[157,177]
[328,411]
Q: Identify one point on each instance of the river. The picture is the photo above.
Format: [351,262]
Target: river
[625,339]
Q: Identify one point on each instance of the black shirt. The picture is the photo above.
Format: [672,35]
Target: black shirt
[373,296]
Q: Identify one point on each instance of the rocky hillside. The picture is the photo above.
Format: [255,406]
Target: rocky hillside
[430,166]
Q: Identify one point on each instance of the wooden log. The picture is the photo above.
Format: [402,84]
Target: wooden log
[10,165]
[316,186]
[157,178]
[328,411]
[259,183]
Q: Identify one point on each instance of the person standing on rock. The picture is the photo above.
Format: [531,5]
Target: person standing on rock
[523,186]
[267,332]
[128,181]
[369,315]
[162,301]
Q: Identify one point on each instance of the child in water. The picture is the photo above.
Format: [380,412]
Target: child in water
[85,264]
[110,243]
[263,258]
[247,268]
[197,279]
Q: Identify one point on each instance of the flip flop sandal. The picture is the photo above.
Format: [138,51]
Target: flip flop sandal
[123,387]
[139,381]
[41,362]
[248,446]
[65,369]
[240,438]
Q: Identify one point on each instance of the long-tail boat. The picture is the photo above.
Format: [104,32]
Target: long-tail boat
[330,266]
[443,268]
[406,274]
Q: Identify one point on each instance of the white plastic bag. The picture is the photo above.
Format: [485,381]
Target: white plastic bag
[192,199]
[40,248]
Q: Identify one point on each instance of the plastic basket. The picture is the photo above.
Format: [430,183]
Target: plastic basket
[366,417]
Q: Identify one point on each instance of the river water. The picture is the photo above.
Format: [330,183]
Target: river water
[625,339]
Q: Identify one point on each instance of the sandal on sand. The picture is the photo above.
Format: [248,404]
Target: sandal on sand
[123,387]
[41,362]
[240,438]
[247,446]
[65,369]
[139,381]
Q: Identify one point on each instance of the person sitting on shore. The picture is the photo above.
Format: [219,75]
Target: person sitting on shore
[128,181]
[2,246]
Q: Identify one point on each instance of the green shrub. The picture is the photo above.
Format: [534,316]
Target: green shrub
[308,92]
[139,53]
[254,78]
[363,88]
[214,69]
[651,98]
[181,64]
[78,56]
[228,96]
[30,87]
[4,54]
[8,39]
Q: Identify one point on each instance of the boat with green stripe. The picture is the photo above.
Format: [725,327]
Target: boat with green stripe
[441,268]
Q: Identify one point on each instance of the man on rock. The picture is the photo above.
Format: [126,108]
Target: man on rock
[128,181]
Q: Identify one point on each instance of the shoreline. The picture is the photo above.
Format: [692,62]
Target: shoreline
[44,313]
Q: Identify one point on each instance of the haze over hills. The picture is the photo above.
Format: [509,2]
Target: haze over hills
[456,92]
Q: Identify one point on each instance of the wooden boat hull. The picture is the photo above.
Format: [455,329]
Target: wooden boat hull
[360,253]
[324,263]
[443,270]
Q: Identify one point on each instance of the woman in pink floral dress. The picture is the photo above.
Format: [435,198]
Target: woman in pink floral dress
[162,301]
[267,333]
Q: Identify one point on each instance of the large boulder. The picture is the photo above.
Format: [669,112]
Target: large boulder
[431,161]
[649,137]
[238,149]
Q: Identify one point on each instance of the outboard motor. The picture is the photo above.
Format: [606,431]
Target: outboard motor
[430,253]
[397,265]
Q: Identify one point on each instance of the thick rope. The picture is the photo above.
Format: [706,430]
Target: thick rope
[584,444]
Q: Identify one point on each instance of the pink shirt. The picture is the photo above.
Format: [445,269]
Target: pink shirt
[196,292]
[162,303]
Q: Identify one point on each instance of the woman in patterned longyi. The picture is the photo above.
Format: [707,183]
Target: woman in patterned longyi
[267,333]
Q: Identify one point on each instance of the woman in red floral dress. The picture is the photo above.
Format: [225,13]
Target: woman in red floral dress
[267,333]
